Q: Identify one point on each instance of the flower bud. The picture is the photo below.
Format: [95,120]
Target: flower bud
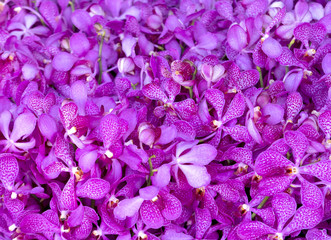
[125,65]
[146,134]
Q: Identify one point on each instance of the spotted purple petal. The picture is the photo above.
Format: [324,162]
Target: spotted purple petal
[284,207]
[294,105]
[216,98]
[311,195]
[172,207]
[37,223]
[298,142]
[324,121]
[94,188]
[304,218]
[151,215]
[270,163]
[320,170]
[8,170]
[68,195]
[254,230]
[154,92]
[203,222]
[236,108]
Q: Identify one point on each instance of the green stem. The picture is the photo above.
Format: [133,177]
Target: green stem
[72,5]
[92,203]
[261,205]
[286,69]
[291,43]
[99,58]
[261,78]
[151,170]
[190,91]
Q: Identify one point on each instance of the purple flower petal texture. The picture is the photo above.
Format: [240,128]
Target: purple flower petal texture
[93,188]
[165,119]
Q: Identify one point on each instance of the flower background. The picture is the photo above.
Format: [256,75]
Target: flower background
[165,119]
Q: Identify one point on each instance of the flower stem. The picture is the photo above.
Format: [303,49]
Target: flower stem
[190,91]
[100,56]
[261,205]
[151,170]
[291,43]
[261,78]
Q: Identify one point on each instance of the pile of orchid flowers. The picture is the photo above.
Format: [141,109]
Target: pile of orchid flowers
[166,119]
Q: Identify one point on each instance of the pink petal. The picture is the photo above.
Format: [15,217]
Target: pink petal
[270,163]
[63,61]
[200,155]
[284,206]
[311,195]
[272,47]
[24,125]
[68,195]
[172,207]
[273,112]
[151,215]
[237,37]
[236,108]
[294,105]
[8,170]
[298,142]
[128,207]
[197,176]
[304,218]
[37,223]
[94,188]
[203,222]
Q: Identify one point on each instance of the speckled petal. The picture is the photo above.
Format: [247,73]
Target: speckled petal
[84,229]
[62,150]
[110,129]
[324,121]
[154,92]
[298,142]
[172,207]
[216,98]
[320,170]
[94,188]
[151,215]
[68,113]
[238,133]
[311,195]
[294,105]
[284,207]
[8,170]
[236,108]
[37,223]
[254,230]
[203,222]
[276,184]
[68,195]
[304,218]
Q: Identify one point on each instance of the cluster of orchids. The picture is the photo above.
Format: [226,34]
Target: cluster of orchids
[165,119]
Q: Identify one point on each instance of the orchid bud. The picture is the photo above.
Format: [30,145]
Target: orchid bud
[154,22]
[146,134]
[125,65]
